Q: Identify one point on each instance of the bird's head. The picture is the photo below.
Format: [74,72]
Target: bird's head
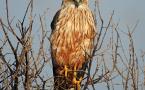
[77,3]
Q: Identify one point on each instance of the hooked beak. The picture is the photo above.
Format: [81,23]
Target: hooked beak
[77,2]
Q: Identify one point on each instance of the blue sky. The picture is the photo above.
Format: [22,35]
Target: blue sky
[127,12]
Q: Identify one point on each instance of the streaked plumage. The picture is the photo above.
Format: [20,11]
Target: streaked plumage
[72,37]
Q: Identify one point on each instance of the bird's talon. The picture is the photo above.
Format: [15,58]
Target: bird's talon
[80,79]
[77,82]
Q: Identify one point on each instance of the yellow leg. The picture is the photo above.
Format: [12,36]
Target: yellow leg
[65,70]
[75,81]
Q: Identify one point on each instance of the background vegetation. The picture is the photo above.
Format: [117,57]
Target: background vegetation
[25,55]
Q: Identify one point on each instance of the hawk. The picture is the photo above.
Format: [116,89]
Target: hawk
[72,42]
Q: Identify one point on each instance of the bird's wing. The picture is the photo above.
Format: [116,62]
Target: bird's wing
[55,19]
[53,27]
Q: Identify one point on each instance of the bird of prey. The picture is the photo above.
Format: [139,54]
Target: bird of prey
[72,42]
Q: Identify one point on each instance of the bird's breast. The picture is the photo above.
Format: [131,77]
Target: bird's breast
[73,35]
